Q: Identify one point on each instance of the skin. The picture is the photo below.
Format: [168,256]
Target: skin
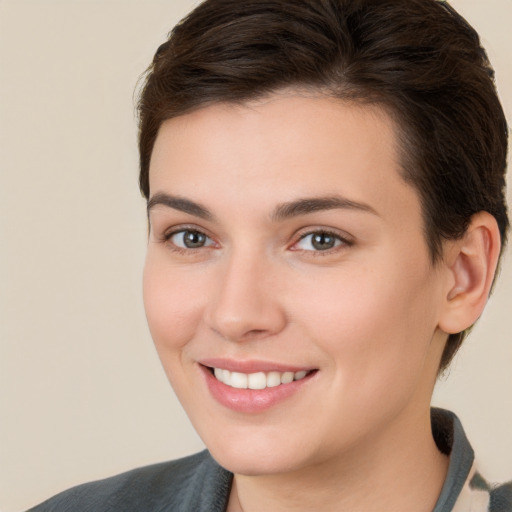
[367,314]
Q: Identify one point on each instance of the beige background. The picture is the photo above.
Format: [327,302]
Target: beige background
[82,392]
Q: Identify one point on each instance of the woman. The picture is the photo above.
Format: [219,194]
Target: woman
[325,194]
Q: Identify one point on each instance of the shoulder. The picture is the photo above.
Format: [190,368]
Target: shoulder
[501,498]
[497,498]
[465,489]
[183,484]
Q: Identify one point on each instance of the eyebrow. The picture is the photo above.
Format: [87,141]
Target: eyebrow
[181,204]
[296,208]
[309,205]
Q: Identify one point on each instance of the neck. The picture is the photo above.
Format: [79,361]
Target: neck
[401,469]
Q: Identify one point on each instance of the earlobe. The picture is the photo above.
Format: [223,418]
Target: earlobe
[471,266]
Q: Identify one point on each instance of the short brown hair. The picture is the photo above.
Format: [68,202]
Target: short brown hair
[419,59]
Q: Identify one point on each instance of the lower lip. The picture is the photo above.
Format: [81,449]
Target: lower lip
[251,400]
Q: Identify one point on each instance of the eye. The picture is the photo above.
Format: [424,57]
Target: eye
[320,241]
[190,239]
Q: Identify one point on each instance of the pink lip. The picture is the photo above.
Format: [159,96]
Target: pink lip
[250,366]
[250,401]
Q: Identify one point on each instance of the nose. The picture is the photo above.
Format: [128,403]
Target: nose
[245,305]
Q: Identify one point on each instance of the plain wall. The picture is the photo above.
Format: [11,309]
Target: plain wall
[82,392]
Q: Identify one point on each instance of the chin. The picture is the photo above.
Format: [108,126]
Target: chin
[257,457]
[252,464]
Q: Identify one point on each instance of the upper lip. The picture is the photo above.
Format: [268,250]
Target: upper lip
[251,366]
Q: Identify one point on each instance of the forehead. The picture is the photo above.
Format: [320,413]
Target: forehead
[279,148]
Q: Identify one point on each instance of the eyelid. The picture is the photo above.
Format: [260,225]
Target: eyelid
[208,242]
[167,233]
[345,239]
[174,230]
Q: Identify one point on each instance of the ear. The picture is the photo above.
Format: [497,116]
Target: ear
[471,263]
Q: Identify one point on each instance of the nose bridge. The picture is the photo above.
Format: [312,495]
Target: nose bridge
[245,304]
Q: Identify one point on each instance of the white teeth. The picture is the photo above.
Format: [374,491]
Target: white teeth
[259,380]
[238,380]
[273,379]
[287,377]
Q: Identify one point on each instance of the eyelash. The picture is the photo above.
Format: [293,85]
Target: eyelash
[344,241]
[182,250]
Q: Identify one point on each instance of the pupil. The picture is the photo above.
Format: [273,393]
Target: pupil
[323,241]
[193,239]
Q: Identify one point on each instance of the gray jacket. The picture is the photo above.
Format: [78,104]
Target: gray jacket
[198,484]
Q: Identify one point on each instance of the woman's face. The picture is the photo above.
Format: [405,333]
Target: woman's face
[285,245]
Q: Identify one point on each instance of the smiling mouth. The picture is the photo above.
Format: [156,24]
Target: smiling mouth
[258,380]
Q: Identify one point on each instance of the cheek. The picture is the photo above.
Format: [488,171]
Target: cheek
[376,336]
[172,304]
[372,322]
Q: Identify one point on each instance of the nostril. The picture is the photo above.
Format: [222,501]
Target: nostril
[237,333]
